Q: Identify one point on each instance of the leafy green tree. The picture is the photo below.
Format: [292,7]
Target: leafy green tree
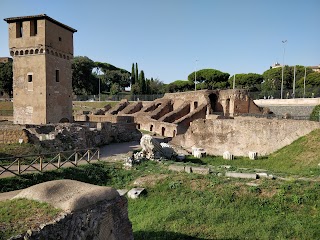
[6,78]
[112,74]
[249,81]
[115,89]
[83,81]
[180,86]
[135,89]
[275,74]
[212,78]
[156,86]
[312,80]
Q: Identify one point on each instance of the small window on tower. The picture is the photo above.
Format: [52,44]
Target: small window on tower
[33,27]
[60,39]
[19,29]
[57,76]
[29,78]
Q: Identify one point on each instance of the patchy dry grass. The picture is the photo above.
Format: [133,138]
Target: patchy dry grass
[19,215]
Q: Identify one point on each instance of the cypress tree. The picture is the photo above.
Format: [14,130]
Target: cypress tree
[137,73]
[142,82]
[133,76]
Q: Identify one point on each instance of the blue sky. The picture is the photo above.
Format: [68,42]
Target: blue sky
[166,37]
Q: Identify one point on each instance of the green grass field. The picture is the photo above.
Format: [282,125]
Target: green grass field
[190,206]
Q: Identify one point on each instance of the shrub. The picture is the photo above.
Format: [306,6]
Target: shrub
[314,116]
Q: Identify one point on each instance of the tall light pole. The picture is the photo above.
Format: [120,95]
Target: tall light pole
[98,72]
[234,81]
[284,51]
[195,77]
[304,82]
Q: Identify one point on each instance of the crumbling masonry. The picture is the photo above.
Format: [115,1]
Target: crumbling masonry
[173,114]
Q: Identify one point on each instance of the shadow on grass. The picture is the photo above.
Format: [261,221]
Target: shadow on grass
[97,174]
[162,235]
[193,160]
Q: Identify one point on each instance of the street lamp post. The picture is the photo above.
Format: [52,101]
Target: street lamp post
[284,51]
[98,72]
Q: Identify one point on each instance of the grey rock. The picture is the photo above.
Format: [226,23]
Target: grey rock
[136,192]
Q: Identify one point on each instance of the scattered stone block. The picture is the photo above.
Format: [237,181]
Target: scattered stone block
[241,175]
[228,156]
[122,192]
[226,166]
[199,153]
[177,168]
[262,175]
[136,192]
[187,169]
[253,155]
[200,170]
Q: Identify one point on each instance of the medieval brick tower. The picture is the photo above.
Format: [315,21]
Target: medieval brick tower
[42,50]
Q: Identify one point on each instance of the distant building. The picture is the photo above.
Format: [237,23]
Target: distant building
[42,50]
[5,59]
[276,65]
[315,68]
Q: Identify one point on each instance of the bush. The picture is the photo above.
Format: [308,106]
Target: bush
[314,116]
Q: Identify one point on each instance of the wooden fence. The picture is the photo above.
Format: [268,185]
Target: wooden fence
[47,161]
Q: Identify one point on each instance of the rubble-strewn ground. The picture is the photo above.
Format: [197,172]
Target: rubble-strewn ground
[190,206]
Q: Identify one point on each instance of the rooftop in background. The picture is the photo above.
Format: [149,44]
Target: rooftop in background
[41,16]
[315,68]
[5,59]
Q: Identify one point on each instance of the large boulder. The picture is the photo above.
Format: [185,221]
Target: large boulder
[152,149]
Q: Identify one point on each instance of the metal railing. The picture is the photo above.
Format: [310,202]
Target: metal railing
[118,97]
[47,161]
[272,116]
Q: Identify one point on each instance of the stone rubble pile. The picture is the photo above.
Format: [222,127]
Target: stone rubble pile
[151,150]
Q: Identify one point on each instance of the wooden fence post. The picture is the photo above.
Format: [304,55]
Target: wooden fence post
[76,158]
[19,166]
[59,160]
[41,159]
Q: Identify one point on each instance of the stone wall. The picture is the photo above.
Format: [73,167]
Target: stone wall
[243,134]
[105,220]
[12,134]
[66,136]
[70,136]
[89,212]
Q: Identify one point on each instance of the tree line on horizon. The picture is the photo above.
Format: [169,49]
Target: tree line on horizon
[113,80]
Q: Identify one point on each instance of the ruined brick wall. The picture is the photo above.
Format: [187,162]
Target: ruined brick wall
[11,134]
[107,118]
[62,137]
[105,220]
[243,134]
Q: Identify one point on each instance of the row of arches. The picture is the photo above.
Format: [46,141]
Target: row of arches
[38,51]
[26,52]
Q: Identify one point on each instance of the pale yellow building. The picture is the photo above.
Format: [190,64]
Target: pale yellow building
[42,50]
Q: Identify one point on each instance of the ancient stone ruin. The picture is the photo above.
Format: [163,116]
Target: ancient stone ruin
[172,115]
[89,211]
